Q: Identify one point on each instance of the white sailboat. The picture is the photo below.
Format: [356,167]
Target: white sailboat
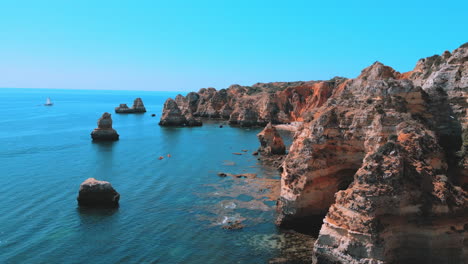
[48,102]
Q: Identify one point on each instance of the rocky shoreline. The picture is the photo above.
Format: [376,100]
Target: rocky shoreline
[381,158]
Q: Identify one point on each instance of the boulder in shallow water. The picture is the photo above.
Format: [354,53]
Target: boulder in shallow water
[104,131]
[94,193]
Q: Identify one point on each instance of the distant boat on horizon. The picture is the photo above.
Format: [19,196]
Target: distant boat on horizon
[48,102]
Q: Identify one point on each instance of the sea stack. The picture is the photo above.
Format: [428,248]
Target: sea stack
[138,107]
[94,193]
[104,131]
[271,142]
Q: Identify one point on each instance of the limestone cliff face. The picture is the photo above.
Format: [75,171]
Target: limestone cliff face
[382,158]
[256,105]
[174,116]
[445,78]
[271,142]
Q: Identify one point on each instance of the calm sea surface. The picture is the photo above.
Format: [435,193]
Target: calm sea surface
[171,210]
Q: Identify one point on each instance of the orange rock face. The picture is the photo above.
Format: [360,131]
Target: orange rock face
[271,142]
[382,158]
[257,105]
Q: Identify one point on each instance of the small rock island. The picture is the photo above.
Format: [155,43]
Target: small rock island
[138,107]
[94,193]
[104,131]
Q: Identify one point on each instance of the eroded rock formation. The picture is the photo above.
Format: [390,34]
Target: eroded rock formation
[271,142]
[173,116]
[94,193]
[382,158]
[256,105]
[104,131]
[138,107]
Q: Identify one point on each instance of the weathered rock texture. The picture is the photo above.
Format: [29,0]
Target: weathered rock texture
[382,158]
[257,105]
[271,142]
[94,193]
[173,116]
[104,131]
[138,107]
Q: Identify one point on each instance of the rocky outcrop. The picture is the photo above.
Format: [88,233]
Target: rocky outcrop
[445,78]
[271,142]
[256,105]
[173,116]
[138,107]
[104,131]
[94,193]
[381,160]
[400,208]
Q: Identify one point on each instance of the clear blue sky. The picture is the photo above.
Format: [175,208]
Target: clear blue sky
[185,45]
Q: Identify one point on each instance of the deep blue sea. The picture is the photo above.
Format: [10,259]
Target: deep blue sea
[171,210]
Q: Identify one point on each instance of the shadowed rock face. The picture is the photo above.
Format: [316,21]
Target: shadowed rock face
[173,116]
[137,107]
[382,158]
[271,142]
[256,105]
[94,193]
[104,131]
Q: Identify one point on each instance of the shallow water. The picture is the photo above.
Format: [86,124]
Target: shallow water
[171,210]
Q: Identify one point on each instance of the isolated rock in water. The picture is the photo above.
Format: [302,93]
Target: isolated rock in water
[137,107]
[271,142]
[104,131]
[172,116]
[94,193]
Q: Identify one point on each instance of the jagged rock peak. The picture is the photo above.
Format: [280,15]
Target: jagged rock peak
[378,71]
[173,115]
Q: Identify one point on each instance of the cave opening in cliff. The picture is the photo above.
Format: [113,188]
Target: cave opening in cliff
[311,223]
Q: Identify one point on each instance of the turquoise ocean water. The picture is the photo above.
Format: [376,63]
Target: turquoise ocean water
[171,210]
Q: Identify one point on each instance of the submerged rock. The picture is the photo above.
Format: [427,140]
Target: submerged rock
[137,107]
[271,142]
[104,131]
[94,193]
[233,225]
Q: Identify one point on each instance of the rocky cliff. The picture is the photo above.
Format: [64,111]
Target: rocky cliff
[378,168]
[257,105]
[381,159]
